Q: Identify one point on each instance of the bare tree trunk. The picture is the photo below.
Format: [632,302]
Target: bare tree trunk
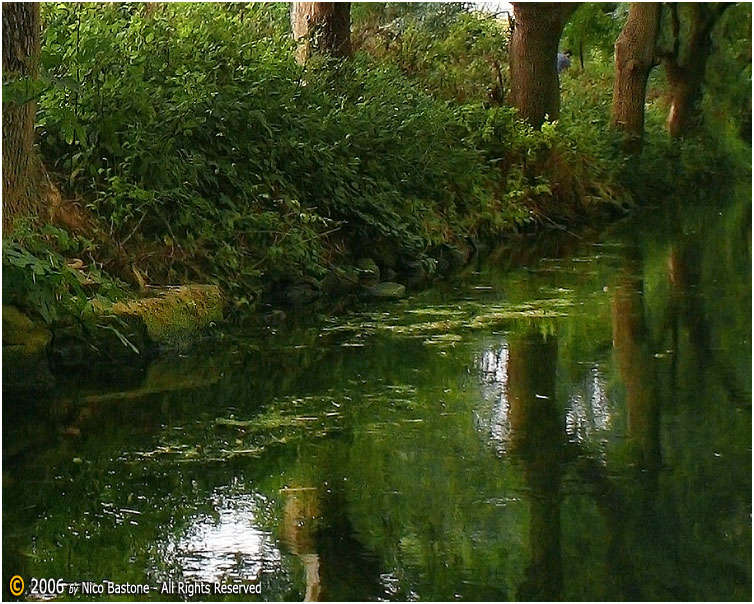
[24,177]
[535,89]
[321,28]
[634,59]
[686,63]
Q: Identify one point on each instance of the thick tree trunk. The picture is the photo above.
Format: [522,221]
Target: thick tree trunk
[535,89]
[24,178]
[686,94]
[321,28]
[686,64]
[634,59]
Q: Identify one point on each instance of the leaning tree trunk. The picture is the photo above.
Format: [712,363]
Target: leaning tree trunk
[686,64]
[24,177]
[321,28]
[535,89]
[634,59]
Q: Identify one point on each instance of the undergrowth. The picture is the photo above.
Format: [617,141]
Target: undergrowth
[38,271]
[201,152]
[200,143]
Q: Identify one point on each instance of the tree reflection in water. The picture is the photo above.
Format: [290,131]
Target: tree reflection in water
[537,435]
[636,366]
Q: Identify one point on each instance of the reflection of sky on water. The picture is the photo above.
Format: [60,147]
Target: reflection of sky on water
[493,373]
[391,584]
[588,412]
[227,545]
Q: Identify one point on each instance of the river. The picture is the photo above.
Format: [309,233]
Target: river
[567,422]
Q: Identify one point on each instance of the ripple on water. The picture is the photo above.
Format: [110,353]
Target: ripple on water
[227,544]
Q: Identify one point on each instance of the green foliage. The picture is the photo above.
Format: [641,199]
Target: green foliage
[210,155]
[593,29]
[38,276]
[451,52]
[727,101]
[201,143]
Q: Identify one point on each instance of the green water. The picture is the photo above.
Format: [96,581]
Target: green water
[574,426]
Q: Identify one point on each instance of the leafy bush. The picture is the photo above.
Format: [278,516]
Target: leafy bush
[194,135]
[454,53]
[38,276]
[209,155]
[592,30]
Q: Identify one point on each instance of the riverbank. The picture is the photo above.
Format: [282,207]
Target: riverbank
[211,159]
[146,323]
[60,312]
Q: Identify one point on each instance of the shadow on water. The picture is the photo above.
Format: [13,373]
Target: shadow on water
[577,428]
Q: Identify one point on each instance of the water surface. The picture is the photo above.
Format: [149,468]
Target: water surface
[575,426]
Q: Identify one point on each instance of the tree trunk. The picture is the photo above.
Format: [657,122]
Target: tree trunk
[24,177]
[321,28]
[686,92]
[535,89]
[686,64]
[634,59]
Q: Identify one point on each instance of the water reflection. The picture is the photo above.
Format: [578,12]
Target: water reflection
[696,359]
[636,365]
[589,409]
[579,429]
[226,544]
[302,510]
[317,530]
[537,436]
[493,370]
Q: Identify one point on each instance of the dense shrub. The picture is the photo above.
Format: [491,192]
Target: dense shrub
[205,153]
[194,135]
[38,275]
[448,50]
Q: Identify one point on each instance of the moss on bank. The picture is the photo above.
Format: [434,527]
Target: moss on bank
[175,315]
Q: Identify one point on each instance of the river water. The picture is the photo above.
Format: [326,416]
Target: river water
[568,422]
